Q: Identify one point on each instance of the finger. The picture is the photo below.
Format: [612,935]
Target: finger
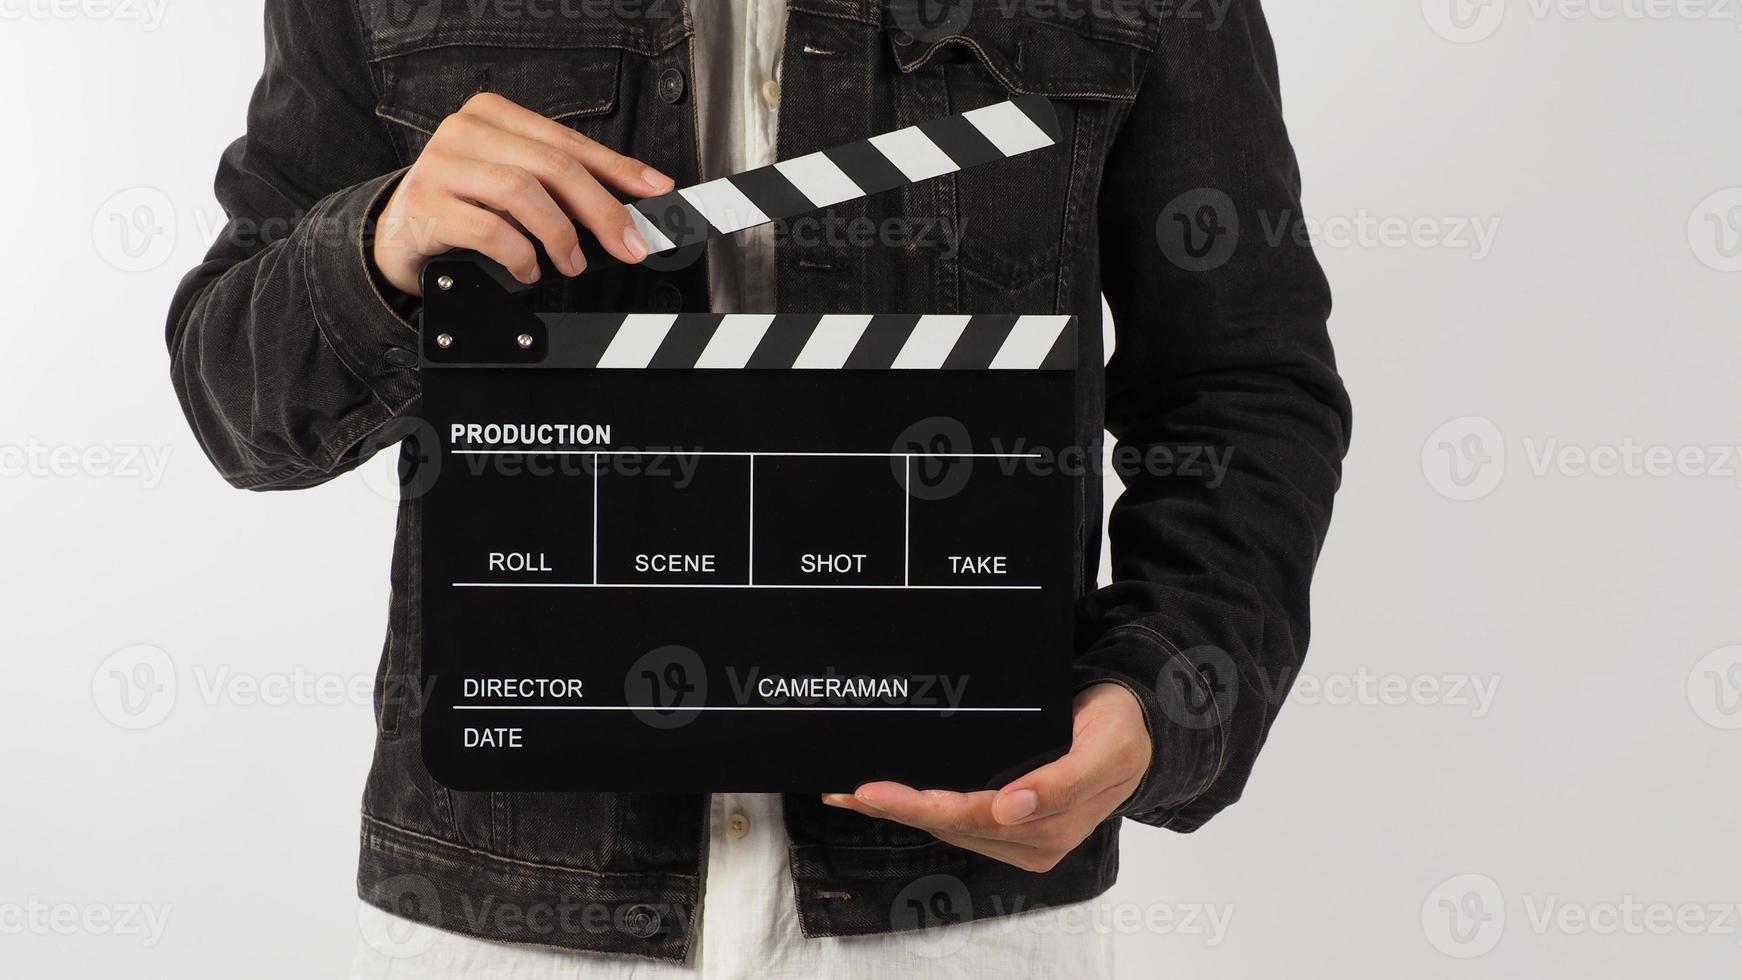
[1015,854]
[518,193]
[627,174]
[1052,789]
[458,224]
[1061,832]
[565,179]
[933,809]
[1065,831]
[847,801]
[1104,755]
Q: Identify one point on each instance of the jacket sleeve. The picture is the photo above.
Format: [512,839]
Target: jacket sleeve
[283,351]
[1230,417]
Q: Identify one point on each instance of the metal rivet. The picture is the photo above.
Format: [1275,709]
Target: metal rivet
[445,282]
[444,340]
[524,340]
[671,86]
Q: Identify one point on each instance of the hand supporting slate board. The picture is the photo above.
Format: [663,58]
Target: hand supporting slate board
[698,553]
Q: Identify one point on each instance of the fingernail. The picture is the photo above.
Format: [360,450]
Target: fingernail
[860,797]
[657,180]
[531,277]
[633,241]
[1019,805]
[577,261]
[836,799]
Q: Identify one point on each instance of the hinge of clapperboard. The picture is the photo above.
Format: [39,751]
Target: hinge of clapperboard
[465,290]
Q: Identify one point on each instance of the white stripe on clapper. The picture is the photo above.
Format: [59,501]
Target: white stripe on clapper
[914,154]
[1009,128]
[931,341]
[1029,342]
[734,340]
[817,178]
[724,205]
[656,240]
[636,340]
[831,342]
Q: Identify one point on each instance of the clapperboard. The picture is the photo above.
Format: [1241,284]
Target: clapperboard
[697,552]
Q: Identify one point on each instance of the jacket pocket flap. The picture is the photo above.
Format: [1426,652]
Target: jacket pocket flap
[423,88]
[1030,57]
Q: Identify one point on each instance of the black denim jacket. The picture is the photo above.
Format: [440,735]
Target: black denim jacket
[292,366]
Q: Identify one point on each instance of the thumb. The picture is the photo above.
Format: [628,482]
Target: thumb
[1053,788]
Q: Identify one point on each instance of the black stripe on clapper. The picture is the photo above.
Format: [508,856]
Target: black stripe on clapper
[684,342]
[580,339]
[1064,350]
[865,166]
[961,141]
[676,218]
[979,342]
[882,340]
[782,341]
[1040,112]
[769,190]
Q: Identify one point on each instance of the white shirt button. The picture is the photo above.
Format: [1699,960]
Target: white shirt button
[738,825]
[771,92]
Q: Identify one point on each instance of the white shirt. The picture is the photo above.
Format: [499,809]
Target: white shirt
[749,912]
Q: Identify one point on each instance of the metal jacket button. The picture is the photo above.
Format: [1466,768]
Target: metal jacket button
[641,921]
[671,86]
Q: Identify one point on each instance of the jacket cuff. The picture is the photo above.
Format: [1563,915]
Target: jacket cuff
[374,340]
[1187,726]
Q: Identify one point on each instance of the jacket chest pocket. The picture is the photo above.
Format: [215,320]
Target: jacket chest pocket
[421,88]
[562,61]
[1019,221]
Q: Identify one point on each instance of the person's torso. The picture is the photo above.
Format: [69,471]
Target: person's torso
[1014,237]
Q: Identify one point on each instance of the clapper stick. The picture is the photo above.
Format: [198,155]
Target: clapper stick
[853,170]
[692,215]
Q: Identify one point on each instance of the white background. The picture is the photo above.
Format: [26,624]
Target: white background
[1597,600]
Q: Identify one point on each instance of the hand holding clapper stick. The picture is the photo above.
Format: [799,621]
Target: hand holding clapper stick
[531,195]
